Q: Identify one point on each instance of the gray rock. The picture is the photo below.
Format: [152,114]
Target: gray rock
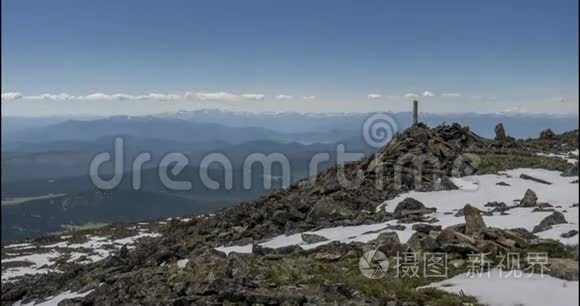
[530,199]
[563,268]
[569,234]
[425,228]
[572,171]
[408,204]
[535,179]
[500,132]
[312,238]
[388,243]
[462,249]
[551,220]
[421,242]
[474,223]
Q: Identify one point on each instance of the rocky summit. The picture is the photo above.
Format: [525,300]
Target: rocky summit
[303,245]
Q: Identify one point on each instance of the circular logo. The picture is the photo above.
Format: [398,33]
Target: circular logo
[378,129]
[373,264]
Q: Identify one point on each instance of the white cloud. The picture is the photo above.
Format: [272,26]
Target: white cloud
[11,96]
[97,96]
[283,97]
[253,96]
[427,93]
[159,97]
[309,98]
[214,96]
[515,109]
[411,95]
[374,96]
[451,95]
[51,97]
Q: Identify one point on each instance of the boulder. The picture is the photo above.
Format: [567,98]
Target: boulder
[330,210]
[462,249]
[547,134]
[312,238]
[547,223]
[474,223]
[572,171]
[425,228]
[497,206]
[421,242]
[449,235]
[408,204]
[530,199]
[563,268]
[521,240]
[500,132]
[388,243]
[569,234]
[524,176]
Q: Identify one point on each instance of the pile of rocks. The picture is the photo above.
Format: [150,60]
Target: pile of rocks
[422,159]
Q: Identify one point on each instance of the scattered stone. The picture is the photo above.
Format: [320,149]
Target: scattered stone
[540,209]
[535,179]
[407,205]
[327,257]
[547,134]
[563,268]
[551,220]
[421,242]
[396,227]
[462,249]
[572,171]
[388,243]
[425,228]
[569,234]
[521,240]
[500,132]
[530,199]
[474,223]
[312,238]
[502,184]
[497,206]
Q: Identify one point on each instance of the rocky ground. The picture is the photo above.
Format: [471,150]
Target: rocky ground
[440,190]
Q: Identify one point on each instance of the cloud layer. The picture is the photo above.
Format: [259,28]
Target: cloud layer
[201,96]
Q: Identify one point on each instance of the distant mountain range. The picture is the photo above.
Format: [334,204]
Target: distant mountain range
[210,125]
[44,157]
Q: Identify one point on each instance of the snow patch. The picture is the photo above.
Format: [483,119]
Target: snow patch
[499,289]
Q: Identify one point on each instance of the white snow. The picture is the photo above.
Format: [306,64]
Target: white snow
[18,245]
[479,190]
[58,298]
[98,248]
[499,289]
[564,156]
[475,190]
[182,263]
[39,265]
[241,249]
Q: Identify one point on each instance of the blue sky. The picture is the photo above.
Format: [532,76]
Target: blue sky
[480,56]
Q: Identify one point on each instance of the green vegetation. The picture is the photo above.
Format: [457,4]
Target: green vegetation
[305,270]
[493,163]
